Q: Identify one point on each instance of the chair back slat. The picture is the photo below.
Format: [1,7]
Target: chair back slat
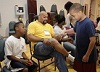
[2,45]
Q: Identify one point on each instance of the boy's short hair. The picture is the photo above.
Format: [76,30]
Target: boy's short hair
[16,25]
[77,7]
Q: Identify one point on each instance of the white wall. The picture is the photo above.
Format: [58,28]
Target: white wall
[7,10]
[88,3]
[8,13]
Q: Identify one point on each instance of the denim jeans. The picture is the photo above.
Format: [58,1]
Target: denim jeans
[42,49]
[70,47]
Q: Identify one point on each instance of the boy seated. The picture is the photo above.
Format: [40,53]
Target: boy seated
[15,57]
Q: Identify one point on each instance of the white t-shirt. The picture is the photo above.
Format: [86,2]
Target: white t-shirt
[58,30]
[98,26]
[68,20]
[14,46]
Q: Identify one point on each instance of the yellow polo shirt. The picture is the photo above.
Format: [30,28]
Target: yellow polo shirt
[40,30]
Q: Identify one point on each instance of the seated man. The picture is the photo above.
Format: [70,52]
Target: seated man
[15,57]
[60,21]
[41,34]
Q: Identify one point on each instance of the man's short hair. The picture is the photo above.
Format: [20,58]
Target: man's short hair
[77,7]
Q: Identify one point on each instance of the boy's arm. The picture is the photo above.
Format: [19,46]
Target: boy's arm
[90,48]
[25,56]
[11,57]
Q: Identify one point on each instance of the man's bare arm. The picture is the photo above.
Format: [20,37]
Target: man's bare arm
[34,38]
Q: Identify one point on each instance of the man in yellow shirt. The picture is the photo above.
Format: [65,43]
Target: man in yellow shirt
[42,35]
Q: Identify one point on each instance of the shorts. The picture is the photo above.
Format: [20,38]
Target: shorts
[15,64]
[84,67]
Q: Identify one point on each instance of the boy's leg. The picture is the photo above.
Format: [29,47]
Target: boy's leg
[21,66]
[33,68]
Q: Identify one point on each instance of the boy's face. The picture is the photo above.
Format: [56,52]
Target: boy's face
[77,15]
[21,28]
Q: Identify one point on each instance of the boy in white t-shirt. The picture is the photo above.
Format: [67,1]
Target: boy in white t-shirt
[15,57]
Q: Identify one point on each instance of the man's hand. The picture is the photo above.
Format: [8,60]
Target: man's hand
[63,33]
[58,37]
[47,41]
[70,40]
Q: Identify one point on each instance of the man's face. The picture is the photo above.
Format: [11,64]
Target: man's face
[44,18]
[76,15]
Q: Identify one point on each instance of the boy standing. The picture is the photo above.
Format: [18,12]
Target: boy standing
[86,55]
[15,51]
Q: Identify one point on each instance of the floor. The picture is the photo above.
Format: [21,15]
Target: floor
[50,68]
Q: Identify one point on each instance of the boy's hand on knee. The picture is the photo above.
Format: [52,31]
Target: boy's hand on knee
[70,57]
[30,62]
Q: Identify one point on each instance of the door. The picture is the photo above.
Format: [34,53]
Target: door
[32,9]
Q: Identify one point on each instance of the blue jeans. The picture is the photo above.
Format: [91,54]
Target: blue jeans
[70,47]
[42,49]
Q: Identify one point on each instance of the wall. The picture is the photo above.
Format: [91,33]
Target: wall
[48,3]
[8,13]
[88,3]
[7,10]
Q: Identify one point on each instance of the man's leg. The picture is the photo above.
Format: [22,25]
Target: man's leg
[43,49]
[70,47]
[60,61]
[59,48]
